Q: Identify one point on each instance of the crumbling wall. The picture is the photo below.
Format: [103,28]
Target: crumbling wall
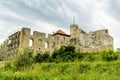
[84,42]
[92,41]
[40,42]
[75,31]
[3,49]
[95,41]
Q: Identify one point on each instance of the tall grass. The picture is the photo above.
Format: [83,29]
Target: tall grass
[98,70]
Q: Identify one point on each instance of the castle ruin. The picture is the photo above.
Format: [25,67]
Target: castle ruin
[40,42]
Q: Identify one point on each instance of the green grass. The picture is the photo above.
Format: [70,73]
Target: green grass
[84,70]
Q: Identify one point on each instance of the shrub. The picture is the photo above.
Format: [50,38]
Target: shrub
[90,57]
[109,55]
[78,55]
[8,65]
[55,53]
[1,59]
[38,58]
[24,59]
[46,56]
[64,54]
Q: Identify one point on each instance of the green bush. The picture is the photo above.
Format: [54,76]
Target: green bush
[46,56]
[109,55]
[24,59]
[1,59]
[8,65]
[79,55]
[64,54]
[38,58]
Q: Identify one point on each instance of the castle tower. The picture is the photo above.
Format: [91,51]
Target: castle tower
[24,38]
[73,30]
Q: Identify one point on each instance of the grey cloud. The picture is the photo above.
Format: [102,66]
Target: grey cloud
[114,8]
[41,12]
[47,10]
[14,21]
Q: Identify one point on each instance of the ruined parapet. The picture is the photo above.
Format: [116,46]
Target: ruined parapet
[50,41]
[101,32]
[95,41]
[24,38]
[105,38]
[14,41]
[38,41]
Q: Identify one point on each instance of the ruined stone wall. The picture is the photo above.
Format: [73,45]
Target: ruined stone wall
[40,42]
[3,49]
[92,41]
[75,31]
[84,42]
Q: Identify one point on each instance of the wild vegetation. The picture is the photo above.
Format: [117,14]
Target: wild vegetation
[63,64]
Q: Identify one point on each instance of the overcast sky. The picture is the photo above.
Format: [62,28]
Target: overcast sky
[50,15]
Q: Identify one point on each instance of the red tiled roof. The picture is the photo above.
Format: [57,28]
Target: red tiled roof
[61,33]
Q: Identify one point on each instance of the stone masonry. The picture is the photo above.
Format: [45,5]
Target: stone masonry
[40,42]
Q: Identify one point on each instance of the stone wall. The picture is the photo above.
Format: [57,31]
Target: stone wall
[92,41]
[41,42]
[84,42]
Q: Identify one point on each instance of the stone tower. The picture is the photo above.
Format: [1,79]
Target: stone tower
[24,38]
[73,29]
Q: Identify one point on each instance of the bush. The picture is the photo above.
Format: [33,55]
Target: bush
[24,59]
[8,65]
[109,55]
[1,59]
[64,54]
[78,55]
[38,58]
[46,56]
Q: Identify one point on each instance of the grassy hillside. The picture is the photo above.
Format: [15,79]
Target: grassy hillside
[76,70]
[64,64]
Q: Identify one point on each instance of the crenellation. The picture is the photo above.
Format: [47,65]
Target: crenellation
[102,32]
